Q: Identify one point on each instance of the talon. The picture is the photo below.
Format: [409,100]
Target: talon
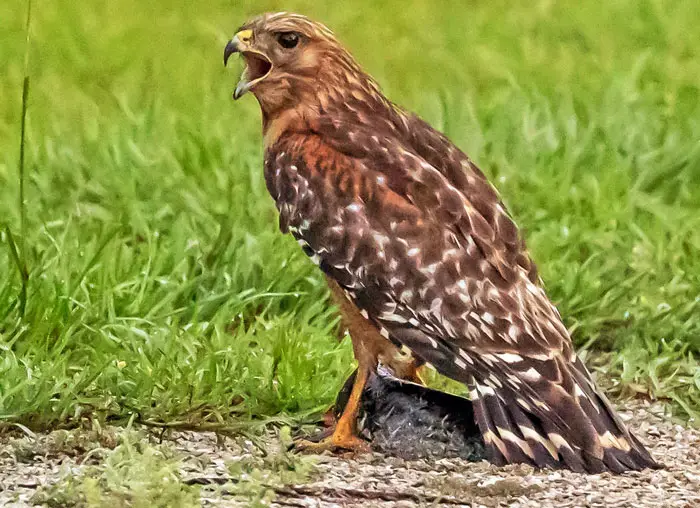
[413,374]
[333,444]
[420,376]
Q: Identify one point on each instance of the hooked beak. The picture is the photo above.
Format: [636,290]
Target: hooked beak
[257,64]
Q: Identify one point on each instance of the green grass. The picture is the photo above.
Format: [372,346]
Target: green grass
[120,466]
[159,286]
[123,469]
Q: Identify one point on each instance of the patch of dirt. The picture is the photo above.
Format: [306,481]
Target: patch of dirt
[374,480]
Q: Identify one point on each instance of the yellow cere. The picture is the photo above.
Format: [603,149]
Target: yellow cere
[244,35]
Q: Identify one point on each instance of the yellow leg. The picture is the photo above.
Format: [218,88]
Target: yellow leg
[418,377]
[344,435]
[369,347]
[410,371]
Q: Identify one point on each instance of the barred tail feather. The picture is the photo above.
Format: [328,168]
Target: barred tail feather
[546,412]
[543,425]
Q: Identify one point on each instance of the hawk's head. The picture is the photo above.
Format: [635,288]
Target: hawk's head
[292,61]
[279,50]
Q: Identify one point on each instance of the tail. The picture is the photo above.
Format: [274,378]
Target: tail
[541,409]
[555,420]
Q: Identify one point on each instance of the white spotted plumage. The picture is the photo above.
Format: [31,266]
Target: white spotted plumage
[412,231]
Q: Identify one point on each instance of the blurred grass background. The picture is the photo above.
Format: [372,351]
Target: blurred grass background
[160,287]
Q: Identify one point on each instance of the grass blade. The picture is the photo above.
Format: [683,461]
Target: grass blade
[19,254]
[21,268]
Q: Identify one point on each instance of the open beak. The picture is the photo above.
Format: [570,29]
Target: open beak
[257,64]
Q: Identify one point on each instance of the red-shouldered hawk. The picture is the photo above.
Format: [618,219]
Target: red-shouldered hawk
[422,252]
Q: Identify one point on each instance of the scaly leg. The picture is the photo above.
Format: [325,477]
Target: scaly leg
[414,373]
[370,347]
[345,433]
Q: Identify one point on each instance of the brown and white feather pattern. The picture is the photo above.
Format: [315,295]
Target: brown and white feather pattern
[436,275]
[419,240]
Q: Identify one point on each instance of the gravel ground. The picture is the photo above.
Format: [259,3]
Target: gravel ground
[374,480]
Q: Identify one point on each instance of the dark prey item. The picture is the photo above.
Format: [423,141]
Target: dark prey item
[411,421]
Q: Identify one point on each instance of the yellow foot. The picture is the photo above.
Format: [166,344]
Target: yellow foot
[414,375]
[417,378]
[332,444]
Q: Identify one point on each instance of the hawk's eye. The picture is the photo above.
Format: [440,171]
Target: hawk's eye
[288,39]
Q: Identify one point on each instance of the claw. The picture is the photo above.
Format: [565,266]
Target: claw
[333,443]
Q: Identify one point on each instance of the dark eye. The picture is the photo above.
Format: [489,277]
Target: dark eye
[288,39]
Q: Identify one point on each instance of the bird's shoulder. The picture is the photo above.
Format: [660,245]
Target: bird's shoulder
[399,164]
[410,246]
